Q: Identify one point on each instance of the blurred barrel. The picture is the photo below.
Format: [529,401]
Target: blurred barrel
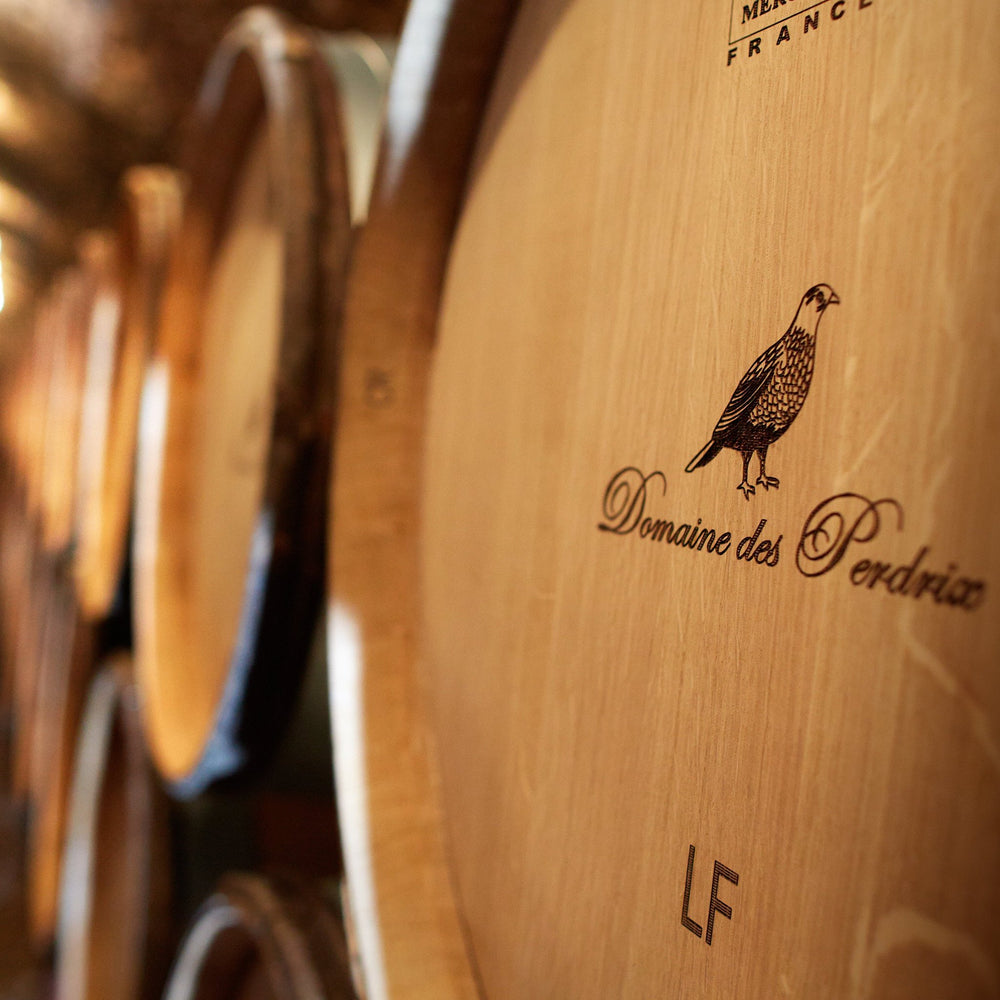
[16,546]
[47,430]
[32,610]
[33,414]
[25,413]
[65,661]
[137,865]
[257,939]
[65,316]
[98,334]
[238,404]
[123,319]
[115,918]
[54,643]
[19,412]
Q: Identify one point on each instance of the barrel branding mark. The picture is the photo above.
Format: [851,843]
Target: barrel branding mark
[752,25]
[715,904]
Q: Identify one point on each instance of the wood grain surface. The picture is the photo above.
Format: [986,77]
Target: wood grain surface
[738,742]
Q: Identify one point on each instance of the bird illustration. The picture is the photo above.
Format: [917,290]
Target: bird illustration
[771,393]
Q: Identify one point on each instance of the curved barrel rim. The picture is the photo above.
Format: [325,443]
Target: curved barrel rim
[265,66]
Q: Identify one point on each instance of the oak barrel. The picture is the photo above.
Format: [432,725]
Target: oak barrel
[17,548]
[33,601]
[706,570]
[137,865]
[409,933]
[115,917]
[123,318]
[29,410]
[263,939]
[42,437]
[238,406]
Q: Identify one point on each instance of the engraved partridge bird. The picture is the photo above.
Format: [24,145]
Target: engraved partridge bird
[771,393]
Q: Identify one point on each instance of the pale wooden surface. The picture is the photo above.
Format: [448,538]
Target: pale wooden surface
[643,223]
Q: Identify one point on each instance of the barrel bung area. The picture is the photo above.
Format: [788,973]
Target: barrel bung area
[496,500]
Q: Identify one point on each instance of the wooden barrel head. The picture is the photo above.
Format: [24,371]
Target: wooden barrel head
[121,332]
[114,912]
[259,939]
[712,665]
[237,409]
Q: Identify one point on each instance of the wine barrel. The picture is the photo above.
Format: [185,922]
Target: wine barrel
[265,940]
[238,404]
[64,333]
[22,976]
[123,318]
[32,611]
[700,732]
[44,436]
[98,257]
[19,415]
[115,919]
[65,662]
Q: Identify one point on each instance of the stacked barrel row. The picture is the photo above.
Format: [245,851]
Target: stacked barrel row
[166,451]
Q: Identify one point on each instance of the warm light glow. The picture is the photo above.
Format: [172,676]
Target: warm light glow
[1,276]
